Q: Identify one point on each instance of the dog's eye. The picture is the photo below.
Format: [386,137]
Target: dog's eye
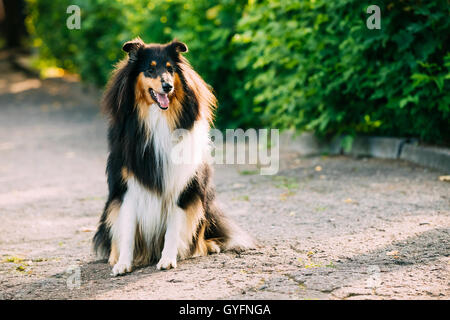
[170,69]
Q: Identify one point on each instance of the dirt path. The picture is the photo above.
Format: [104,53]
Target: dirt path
[328,227]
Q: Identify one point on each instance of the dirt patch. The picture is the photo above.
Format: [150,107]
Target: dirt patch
[327,227]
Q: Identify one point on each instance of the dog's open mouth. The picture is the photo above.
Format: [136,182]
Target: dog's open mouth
[161,99]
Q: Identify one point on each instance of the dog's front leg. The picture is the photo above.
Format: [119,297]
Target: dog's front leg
[123,233]
[171,239]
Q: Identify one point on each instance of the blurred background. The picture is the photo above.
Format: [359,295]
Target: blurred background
[307,65]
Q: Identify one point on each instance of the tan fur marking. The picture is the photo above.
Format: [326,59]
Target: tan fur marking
[168,64]
[142,95]
[201,249]
[112,213]
[141,250]
[125,174]
[153,63]
[203,246]
[114,255]
[213,246]
[195,216]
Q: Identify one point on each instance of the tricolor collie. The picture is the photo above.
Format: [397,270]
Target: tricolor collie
[160,210]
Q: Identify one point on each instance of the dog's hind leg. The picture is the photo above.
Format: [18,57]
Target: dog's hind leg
[225,232]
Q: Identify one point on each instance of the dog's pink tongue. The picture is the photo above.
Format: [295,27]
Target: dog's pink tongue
[163,100]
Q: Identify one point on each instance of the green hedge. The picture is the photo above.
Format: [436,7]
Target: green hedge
[302,64]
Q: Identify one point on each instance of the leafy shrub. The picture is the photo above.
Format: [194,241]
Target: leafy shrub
[301,64]
[208,28]
[314,65]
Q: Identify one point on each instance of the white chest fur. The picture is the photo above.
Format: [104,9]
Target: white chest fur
[181,152]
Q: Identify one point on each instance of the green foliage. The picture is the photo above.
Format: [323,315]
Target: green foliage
[301,64]
[314,65]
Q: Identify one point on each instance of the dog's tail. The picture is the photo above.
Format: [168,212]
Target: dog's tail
[219,227]
[102,238]
[238,240]
[229,235]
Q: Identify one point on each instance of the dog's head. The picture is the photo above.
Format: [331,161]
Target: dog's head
[156,67]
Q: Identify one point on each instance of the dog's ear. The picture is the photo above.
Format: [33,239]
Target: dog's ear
[132,47]
[177,47]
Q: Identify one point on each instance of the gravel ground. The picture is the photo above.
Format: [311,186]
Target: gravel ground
[327,227]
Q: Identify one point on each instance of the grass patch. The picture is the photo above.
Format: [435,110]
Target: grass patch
[284,182]
[13,259]
[289,184]
[242,198]
[309,263]
[248,172]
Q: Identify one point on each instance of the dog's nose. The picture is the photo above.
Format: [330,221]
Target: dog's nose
[167,87]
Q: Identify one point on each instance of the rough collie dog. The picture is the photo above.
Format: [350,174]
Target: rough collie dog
[160,210]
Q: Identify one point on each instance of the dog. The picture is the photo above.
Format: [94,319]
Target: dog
[159,210]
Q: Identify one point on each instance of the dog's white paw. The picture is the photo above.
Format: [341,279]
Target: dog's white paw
[166,263]
[213,247]
[121,268]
